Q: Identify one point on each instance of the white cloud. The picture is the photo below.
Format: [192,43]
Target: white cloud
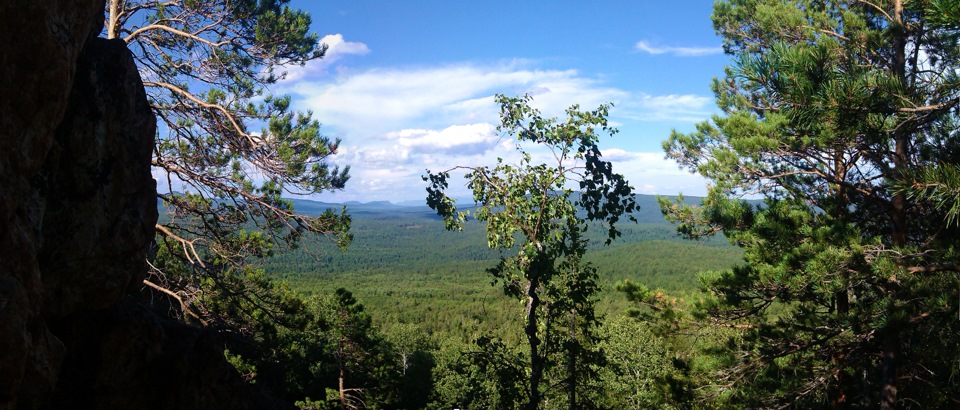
[470,139]
[380,175]
[684,108]
[397,122]
[677,51]
[651,173]
[389,167]
[337,48]
[617,155]
[382,100]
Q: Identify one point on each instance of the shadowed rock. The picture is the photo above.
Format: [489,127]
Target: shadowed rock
[77,216]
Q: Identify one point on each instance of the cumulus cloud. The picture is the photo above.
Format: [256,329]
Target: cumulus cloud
[473,139]
[382,100]
[677,51]
[390,166]
[672,107]
[337,48]
[395,175]
[617,155]
[397,122]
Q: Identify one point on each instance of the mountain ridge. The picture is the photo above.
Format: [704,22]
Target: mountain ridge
[649,209]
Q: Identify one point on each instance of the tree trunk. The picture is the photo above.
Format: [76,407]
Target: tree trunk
[343,396]
[572,361]
[839,399]
[838,392]
[112,19]
[536,362]
[888,386]
[888,394]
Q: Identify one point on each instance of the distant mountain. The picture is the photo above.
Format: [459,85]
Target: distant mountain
[370,210]
[386,210]
[649,210]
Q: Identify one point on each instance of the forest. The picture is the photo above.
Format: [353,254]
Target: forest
[819,271]
[393,267]
[422,309]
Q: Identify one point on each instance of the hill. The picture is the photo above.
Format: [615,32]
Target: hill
[649,210]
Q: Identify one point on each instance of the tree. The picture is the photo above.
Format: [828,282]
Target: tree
[534,203]
[206,66]
[413,352]
[844,299]
[938,183]
[639,366]
[361,356]
[490,374]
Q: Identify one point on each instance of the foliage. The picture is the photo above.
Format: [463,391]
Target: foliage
[533,202]
[366,372]
[431,305]
[639,366]
[830,110]
[694,346]
[668,314]
[296,347]
[938,184]
[206,66]
[413,352]
[488,374]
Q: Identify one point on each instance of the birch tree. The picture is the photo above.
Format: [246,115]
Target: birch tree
[535,204]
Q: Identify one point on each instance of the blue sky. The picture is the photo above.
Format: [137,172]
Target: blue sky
[409,85]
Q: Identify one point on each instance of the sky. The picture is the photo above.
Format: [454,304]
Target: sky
[409,85]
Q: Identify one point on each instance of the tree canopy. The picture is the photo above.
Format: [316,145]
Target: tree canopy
[829,110]
[534,202]
[227,149]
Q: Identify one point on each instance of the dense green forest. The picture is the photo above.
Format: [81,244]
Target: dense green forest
[430,314]
[561,288]
[406,268]
[427,308]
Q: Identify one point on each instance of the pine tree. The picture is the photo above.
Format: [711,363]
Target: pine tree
[226,149]
[847,294]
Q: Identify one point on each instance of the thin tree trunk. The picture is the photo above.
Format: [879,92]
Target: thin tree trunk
[888,386]
[901,138]
[536,363]
[839,399]
[572,361]
[888,396]
[112,19]
[838,392]
[343,396]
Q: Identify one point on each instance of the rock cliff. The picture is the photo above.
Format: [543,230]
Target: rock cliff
[77,215]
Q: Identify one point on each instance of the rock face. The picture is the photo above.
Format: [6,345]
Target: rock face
[77,216]
[40,43]
[99,192]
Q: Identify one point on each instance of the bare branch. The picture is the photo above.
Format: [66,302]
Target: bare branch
[183,305]
[188,245]
[162,27]
[877,8]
